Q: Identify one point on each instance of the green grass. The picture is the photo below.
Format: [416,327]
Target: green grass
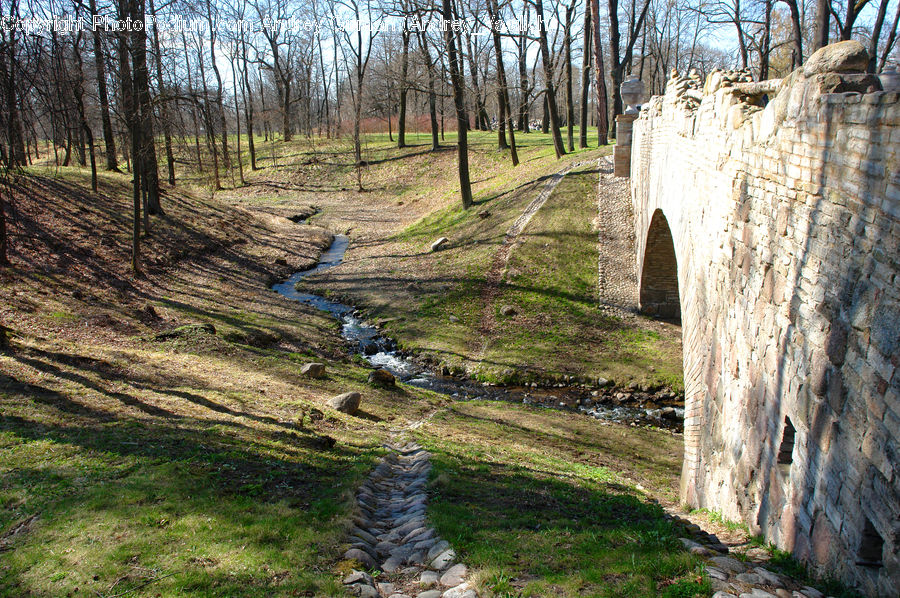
[200,466]
[551,280]
[206,508]
[540,506]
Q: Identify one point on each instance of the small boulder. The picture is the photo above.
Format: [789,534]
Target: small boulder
[346,403]
[508,310]
[843,57]
[381,377]
[429,579]
[444,560]
[440,244]
[454,576]
[358,577]
[313,370]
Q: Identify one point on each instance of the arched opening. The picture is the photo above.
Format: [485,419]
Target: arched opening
[659,275]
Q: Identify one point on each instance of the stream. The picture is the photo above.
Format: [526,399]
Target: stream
[382,352]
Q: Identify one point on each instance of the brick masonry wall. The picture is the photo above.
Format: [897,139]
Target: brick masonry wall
[786,228]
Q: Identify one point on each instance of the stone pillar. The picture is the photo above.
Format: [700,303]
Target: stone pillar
[622,149]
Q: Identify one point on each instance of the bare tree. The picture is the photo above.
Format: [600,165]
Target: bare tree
[570,103]
[163,104]
[459,102]
[15,135]
[585,76]
[357,50]
[823,22]
[109,140]
[550,93]
[892,38]
[600,76]
[876,35]
[503,93]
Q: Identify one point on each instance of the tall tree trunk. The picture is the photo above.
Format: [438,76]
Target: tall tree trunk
[4,243]
[503,93]
[600,75]
[585,77]
[501,122]
[404,87]
[849,20]
[15,134]
[545,117]
[482,121]
[237,117]
[207,117]
[163,104]
[357,120]
[459,101]
[109,140]
[193,96]
[548,74]
[130,109]
[892,37]
[287,125]
[823,22]
[615,69]
[432,94]
[220,104]
[150,174]
[876,35]
[570,103]
[79,104]
[797,32]
[766,42]
[524,88]
[247,94]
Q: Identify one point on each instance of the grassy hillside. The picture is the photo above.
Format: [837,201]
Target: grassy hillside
[144,455]
[443,305]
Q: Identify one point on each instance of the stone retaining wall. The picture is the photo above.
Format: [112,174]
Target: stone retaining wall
[785,222]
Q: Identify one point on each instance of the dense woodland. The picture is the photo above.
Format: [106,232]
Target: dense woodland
[188,86]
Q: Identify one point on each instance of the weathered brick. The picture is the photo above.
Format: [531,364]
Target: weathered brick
[795,308]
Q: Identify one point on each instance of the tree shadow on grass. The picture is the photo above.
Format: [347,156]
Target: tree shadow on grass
[599,536]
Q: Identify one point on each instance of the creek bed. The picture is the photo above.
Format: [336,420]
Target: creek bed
[658,409]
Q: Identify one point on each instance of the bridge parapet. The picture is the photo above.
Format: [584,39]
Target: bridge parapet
[785,224]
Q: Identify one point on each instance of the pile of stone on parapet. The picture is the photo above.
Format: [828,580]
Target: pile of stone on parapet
[838,68]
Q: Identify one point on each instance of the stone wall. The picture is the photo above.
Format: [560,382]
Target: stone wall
[785,222]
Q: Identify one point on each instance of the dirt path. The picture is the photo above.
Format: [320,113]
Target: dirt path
[497,271]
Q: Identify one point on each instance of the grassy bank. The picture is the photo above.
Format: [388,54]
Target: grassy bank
[141,453]
[547,504]
[144,453]
[445,305]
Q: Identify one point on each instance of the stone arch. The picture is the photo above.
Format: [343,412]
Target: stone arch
[659,274]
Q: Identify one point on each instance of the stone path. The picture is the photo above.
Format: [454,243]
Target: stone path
[617,281]
[731,577]
[391,535]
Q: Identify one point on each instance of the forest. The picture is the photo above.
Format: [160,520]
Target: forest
[292,291]
[146,85]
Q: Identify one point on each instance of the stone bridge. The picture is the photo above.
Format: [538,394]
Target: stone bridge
[774,234]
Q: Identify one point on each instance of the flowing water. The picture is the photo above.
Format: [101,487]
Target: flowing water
[382,352]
